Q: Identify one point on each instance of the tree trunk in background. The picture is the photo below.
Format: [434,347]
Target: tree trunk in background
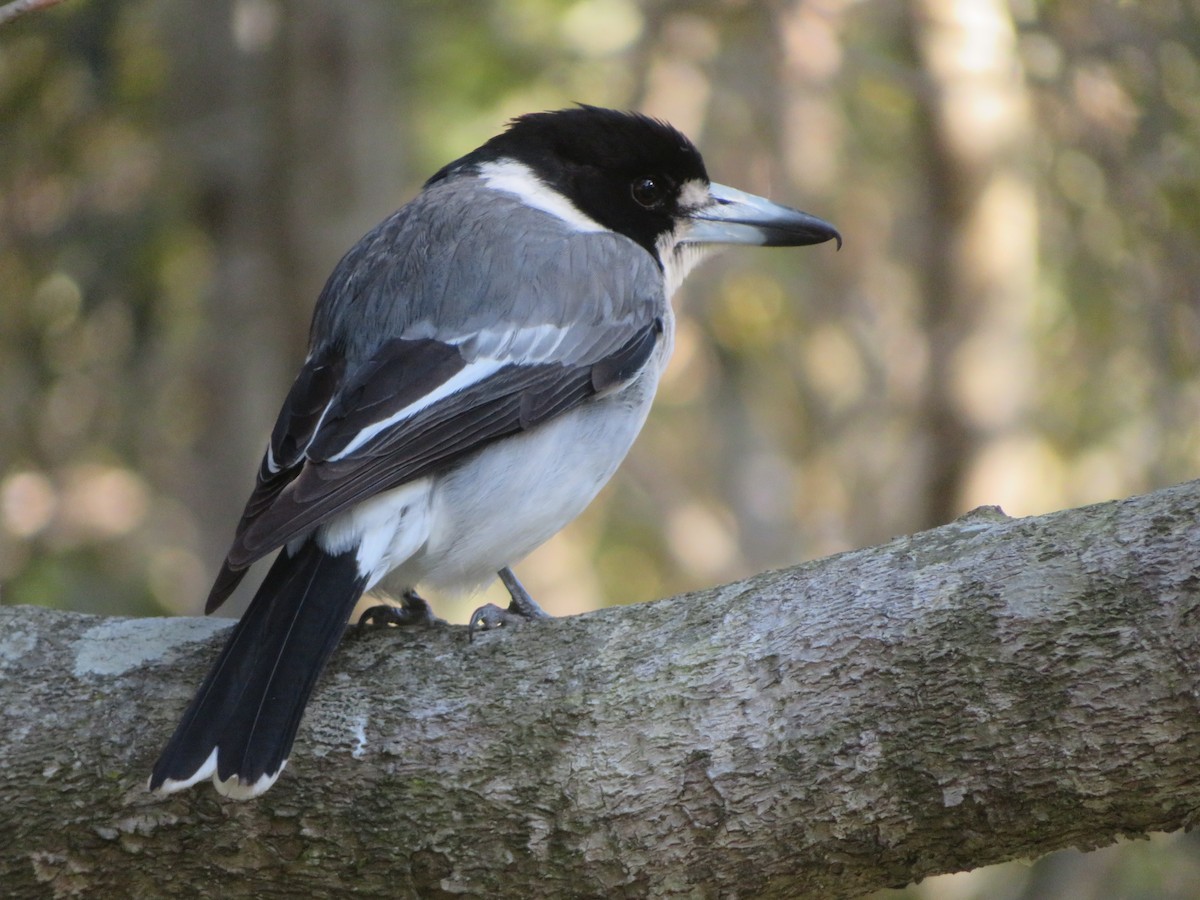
[283,121]
[345,139]
[227,127]
[981,254]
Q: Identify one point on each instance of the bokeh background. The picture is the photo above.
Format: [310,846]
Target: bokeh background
[1014,318]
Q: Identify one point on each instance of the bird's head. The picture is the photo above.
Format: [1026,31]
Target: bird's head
[605,170]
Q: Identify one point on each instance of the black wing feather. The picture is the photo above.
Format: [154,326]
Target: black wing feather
[400,372]
[299,418]
[319,403]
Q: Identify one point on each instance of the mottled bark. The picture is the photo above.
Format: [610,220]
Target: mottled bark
[991,689]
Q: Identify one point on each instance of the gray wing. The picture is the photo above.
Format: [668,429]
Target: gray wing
[451,268]
[351,428]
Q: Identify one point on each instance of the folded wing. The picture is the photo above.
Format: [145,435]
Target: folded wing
[413,407]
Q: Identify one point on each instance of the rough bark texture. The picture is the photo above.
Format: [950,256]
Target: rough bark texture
[991,689]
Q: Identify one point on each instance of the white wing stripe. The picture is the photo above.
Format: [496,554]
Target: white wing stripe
[317,428]
[473,373]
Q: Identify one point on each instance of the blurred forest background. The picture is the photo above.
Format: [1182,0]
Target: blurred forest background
[1014,318]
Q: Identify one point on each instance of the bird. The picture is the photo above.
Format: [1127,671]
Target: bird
[479,364]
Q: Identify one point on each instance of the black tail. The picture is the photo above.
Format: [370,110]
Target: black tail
[242,721]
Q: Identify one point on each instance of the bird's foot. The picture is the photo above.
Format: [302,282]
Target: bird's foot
[413,610]
[521,609]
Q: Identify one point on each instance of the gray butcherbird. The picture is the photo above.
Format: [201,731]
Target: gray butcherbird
[479,365]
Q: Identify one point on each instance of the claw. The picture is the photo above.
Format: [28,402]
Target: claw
[412,611]
[520,610]
[490,616]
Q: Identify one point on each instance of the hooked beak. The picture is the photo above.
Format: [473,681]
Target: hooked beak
[735,217]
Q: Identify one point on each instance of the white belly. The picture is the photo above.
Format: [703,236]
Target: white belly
[456,529]
[518,493]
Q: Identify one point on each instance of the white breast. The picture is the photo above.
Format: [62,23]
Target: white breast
[501,504]
[456,529]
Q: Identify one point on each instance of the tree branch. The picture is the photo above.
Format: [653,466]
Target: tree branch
[992,689]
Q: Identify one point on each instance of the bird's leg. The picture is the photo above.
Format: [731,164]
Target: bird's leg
[522,604]
[521,609]
[413,610]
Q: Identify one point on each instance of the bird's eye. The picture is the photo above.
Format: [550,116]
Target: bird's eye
[649,191]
